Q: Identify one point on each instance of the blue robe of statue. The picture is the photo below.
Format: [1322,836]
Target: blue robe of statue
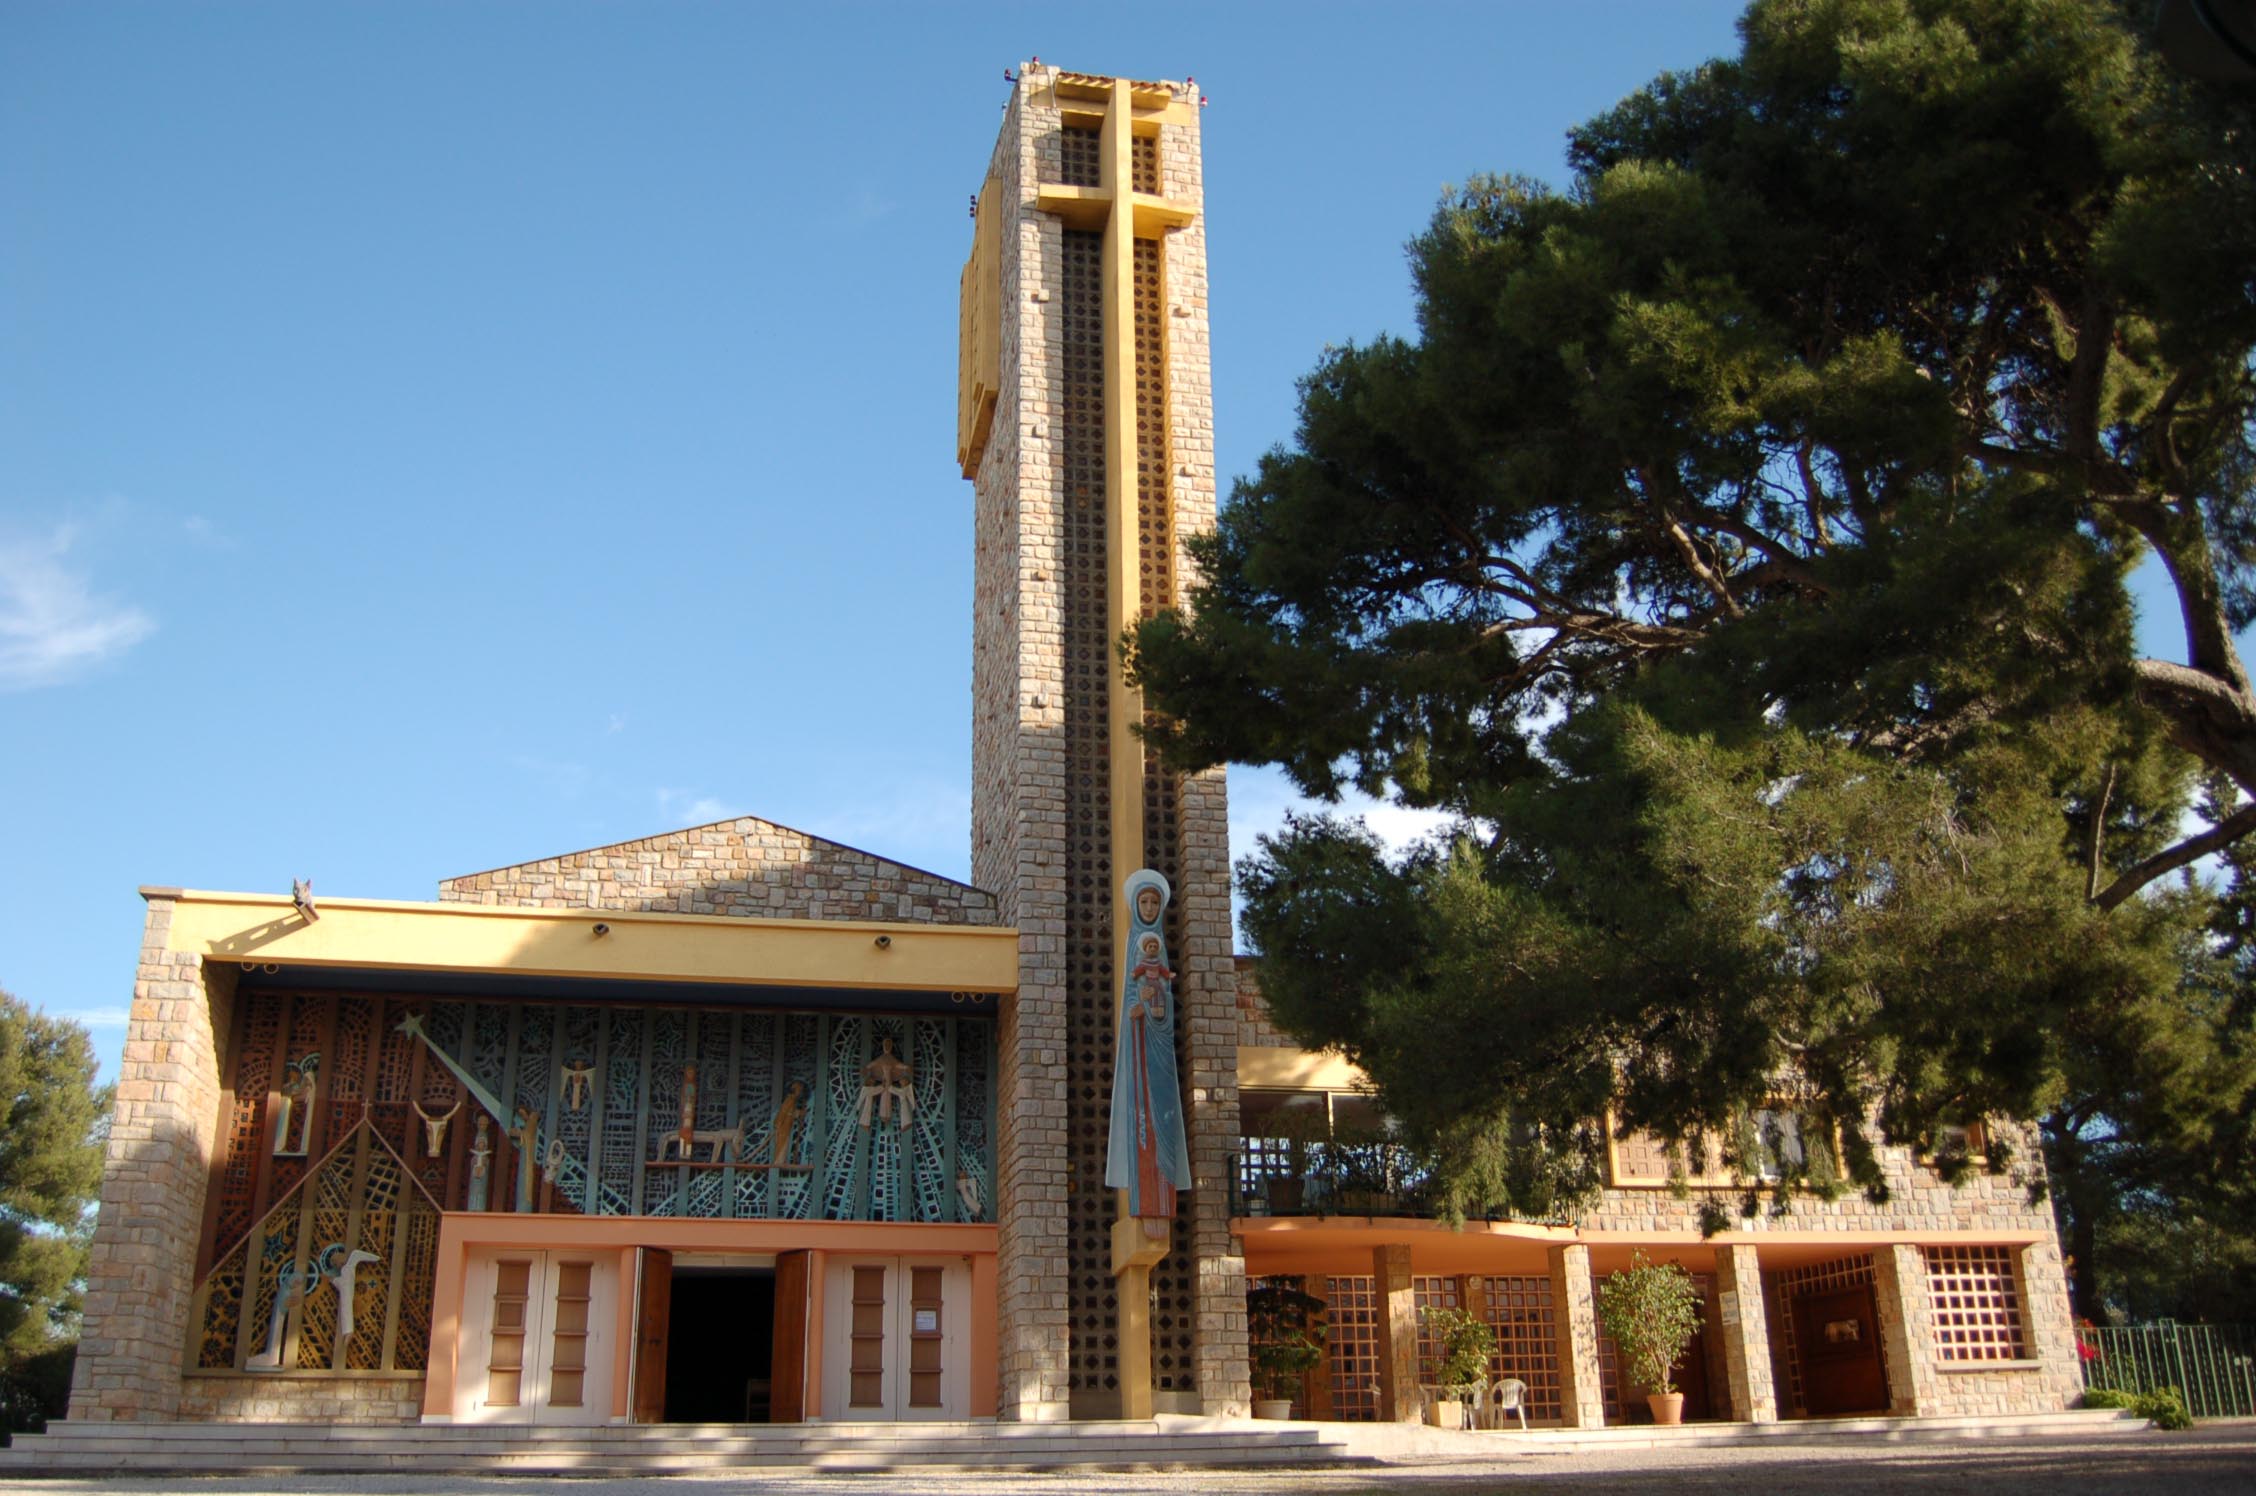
[1146,1154]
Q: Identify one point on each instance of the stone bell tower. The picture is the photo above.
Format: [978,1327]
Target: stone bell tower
[1085,420]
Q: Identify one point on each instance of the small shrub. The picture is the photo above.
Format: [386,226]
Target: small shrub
[2166,1406]
[2108,1397]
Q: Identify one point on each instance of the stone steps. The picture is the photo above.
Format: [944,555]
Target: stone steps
[651,1449]
[644,1449]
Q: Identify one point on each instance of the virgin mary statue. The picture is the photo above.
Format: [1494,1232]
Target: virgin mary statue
[1147,1156]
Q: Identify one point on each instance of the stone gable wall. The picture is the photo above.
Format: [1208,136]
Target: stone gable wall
[746,867]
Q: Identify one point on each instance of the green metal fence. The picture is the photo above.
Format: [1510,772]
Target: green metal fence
[2214,1366]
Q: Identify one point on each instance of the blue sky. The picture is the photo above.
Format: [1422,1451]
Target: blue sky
[436,436]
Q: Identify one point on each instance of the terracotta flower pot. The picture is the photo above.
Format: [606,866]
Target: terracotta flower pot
[1668,1407]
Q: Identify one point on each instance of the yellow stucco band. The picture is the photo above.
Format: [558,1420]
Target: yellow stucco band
[387,934]
[1297,1070]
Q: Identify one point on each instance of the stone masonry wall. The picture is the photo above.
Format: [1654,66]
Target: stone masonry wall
[746,867]
[1207,985]
[254,1399]
[141,1269]
[1018,769]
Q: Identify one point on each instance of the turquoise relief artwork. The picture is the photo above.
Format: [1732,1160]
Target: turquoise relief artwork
[728,1113]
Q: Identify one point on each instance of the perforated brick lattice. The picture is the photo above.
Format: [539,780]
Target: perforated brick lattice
[1143,163]
[1974,1294]
[1174,1282]
[1094,1361]
[1079,156]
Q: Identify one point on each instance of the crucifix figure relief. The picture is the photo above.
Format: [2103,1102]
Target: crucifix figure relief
[885,1080]
[576,1077]
[434,1128]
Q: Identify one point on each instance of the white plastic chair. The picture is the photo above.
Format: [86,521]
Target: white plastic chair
[1510,1396]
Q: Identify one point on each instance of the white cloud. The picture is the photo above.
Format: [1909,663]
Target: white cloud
[616,722]
[52,624]
[688,808]
[1260,799]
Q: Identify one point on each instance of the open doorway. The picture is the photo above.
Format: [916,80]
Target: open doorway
[721,1347]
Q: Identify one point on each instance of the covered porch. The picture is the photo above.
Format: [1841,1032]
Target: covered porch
[1794,1324]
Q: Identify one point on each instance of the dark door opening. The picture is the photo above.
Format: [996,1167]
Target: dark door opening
[721,1344]
[1838,1337]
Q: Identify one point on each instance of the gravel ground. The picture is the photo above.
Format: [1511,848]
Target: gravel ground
[2213,1460]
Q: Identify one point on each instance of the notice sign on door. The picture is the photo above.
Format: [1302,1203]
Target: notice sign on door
[927,1322]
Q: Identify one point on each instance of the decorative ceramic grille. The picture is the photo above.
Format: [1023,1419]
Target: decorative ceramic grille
[1351,1345]
[1080,154]
[1974,1297]
[1143,163]
[606,1086]
[352,1244]
[1088,839]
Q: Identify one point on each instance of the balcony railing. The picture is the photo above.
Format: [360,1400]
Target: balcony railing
[1276,1178]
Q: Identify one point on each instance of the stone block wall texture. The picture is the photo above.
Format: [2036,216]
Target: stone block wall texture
[1746,1335]
[1574,1306]
[255,1399]
[1031,686]
[1018,767]
[141,1268]
[746,867]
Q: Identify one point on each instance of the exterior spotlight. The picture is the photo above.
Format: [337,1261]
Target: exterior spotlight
[885,942]
[601,928]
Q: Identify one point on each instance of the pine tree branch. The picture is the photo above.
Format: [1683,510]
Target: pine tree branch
[2192,849]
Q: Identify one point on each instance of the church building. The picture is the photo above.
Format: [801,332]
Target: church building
[735,1124]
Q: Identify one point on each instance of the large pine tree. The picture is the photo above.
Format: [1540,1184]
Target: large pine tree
[1743,547]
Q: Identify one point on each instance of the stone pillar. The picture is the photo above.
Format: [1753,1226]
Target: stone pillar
[1746,1335]
[2051,1325]
[1582,1397]
[140,1275]
[1085,490]
[1397,1304]
[1907,1331]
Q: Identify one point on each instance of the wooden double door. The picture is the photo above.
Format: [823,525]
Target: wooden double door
[895,1338]
[539,1337]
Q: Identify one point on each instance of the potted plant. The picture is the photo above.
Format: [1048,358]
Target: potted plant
[1652,1309]
[1467,1345]
[1286,1343]
[1364,1172]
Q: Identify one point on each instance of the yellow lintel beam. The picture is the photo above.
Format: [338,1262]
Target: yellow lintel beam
[1079,207]
[1155,215]
[473,938]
